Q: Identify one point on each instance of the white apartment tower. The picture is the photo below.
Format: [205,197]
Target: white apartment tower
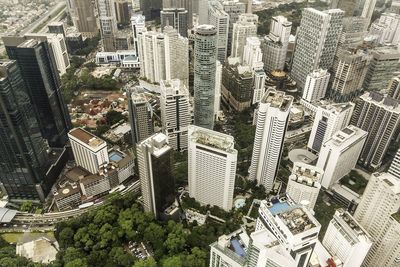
[252,55]
[246,26]
[387,29]
[234,9]
[175,113]
[316,85]
[339,155]
[108,24]
[329,119]
[212,167]
[316,42]
[259,85]
[220,20]
[272,122]
[380,117]
[218,84]
[346,239]
[90,152]
[394,88]
[394,168]
[293,225]
[276,43]
[381,199]
[304,184]
[138,26]
[164,56]
[368,10]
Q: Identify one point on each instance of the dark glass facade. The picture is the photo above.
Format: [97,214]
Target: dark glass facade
[42,80]
[23,155]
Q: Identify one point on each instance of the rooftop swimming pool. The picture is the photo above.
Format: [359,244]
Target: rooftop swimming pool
[115,156]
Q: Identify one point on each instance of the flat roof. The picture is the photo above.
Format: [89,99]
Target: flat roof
[277,99]
[6,215]
[86,137]
[296,220]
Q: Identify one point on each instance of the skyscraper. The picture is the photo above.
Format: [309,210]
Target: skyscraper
[138,26]
[212,167]
[259,78]
[234,9]
[368,10]
[380,117]
[381,199]
[83,17]
[175,113]
[328,120]
[220,20]
[155,172]
[275,44]
[175,17]
[394,88]
[108,24]
[188,5]
[384,65]
[387,29]
[246,26]
[140,116]
[151,8]
[205,58]
[316,42]
[339,155]
[23,157]
[394,168]
[271,126]
[348,6]
[353,32]
[304,184]
[252,55]
[122,11]
[316,85]
[346,239]
[39,71]
[164,56]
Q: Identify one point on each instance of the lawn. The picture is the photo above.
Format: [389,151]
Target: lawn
[355,182]
[15,237]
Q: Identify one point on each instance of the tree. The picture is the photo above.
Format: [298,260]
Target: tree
[155,235]
[76,263]
[176,239]
[26,206]
[113,117]
[65,238]
[174,261]
[149,262]
[197,258]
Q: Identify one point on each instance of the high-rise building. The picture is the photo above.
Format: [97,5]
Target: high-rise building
[339,155]
[164,56]
[121,8]
[348,73]
[23,157]
[316,42]
[346,239]
[394,88]
[237,84]
[293,226]
[246,26]
[316,85]
[90,152]
[380,117]
[188,5]
[394,168]
[353,32]
[205,61]
[252,55]
[38,69]
[384,65]
[329,119]
[56,27]
[395,7]
[83,17]
[348,6]
[212,167]
[151,8]
[202,11]
[108,24]
[155,172]
[175,17]
[387,29]
[218,86]
[368,10]
[234,9]
[220,20]
[276,43]
[271,126]
[138,26]
[259,85]
[304,184]
[175,113]
[381,199]
[140,116]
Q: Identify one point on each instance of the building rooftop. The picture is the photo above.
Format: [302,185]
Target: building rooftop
[348,135]
[86,137]
[6,215]
[336,108]
[157,144]
[307,174]
[396,216]
[212,139]
[66,191]
[233,245]
[352,229]
[296,220]
[277,99]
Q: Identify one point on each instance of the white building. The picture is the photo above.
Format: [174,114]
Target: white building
[175,113]
[252,55]
[316,85]
[138,26]
[272,122]
[220,20]
[246,26]
[339,155]
[329,119]
[346,239]
[212,167]
[316,42]
[294,227]
[259,85]
[381,199]
[276,44]
[368,10]
[387,29]
[90,152]
[163,56]
[218,84]
[304,184]
[394,168]
[108,24]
